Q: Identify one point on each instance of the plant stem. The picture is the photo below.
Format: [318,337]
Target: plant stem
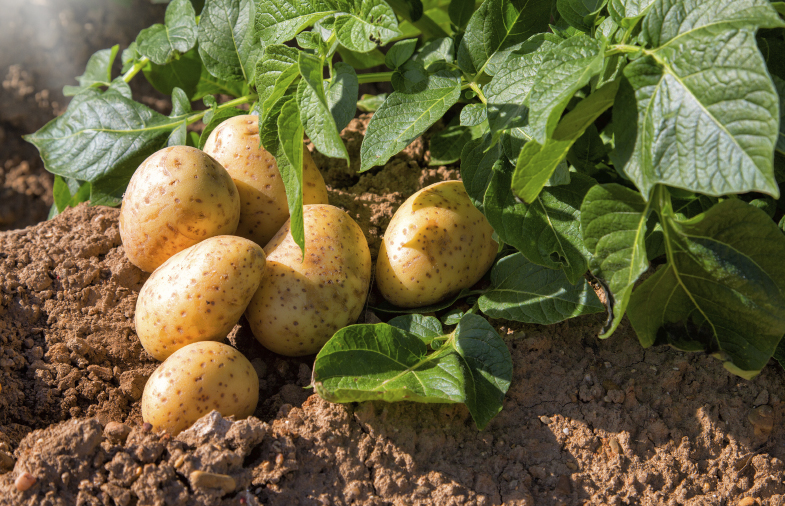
[374,77]
[135,69]
[622,48]
[478,91]
[237,101]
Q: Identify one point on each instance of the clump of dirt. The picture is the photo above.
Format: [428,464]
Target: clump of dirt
[584,422]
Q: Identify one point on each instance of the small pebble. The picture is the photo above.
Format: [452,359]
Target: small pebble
[117,431]
[544,419]
[566,431]
[572,465]
[24,481]
[748,501]
[201,479]
[615,446]
[147,427]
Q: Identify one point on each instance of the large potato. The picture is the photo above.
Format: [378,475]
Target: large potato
[198,294]
[196,380]
[176,198]
[300,305]
[264,209]
[437,243]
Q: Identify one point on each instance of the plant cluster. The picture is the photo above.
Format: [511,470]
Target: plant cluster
[601,136]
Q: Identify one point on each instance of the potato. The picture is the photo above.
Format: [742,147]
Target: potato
[437,243]
[300,305]
[264,209]
[198,294]
[195,380]
[176,198]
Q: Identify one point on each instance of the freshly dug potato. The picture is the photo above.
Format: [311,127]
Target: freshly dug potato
[264,209]
[437,243]
[176,198]
[300,305]
[198,294]
[195,380]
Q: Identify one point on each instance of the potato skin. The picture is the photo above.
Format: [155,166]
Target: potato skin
[198,294]
[300,305]
[437,243]
[264,209]
[177,197]
[195,380]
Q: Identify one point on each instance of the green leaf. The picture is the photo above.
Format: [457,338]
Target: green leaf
[566,69]
[276,70]
[210,85]
[582,14]
[368,23]
[526,292]
[446,146]
[102,138]
[674,22]
[61,194]
[721,290]
[614,228]
[477,161]
[547,231]
[460,12]
[537,163]
[216,119]
[227,44]
[184,73]
[424,327]
[512,83]
[278,21]
[404,117]
[411,77]
[290,131]
[162,43]
[441,49]
[370,103]
[315,112]
[628,12]
[496,28]
[473,115]
[382,362]
[399,53]
[341,94]
[779,84]
[691,133]
[587,151]
[361,61]
[97,73]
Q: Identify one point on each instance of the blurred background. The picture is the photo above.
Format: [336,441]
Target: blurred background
[44,45]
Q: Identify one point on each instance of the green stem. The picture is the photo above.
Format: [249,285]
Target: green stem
[374,77]
[622,49]
[135,69]
[247,99]
[478,91]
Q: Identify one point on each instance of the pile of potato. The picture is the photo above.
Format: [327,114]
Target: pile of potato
[198,219]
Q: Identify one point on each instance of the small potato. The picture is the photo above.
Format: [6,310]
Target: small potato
[437,243]
[195,380]
[264,209]
[176,198]
[198,294]
[300,305]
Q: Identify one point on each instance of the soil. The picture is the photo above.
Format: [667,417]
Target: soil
[585,421]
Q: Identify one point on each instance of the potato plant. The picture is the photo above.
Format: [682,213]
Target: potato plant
[600,138]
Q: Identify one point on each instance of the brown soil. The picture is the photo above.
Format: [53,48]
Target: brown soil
[584,422]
